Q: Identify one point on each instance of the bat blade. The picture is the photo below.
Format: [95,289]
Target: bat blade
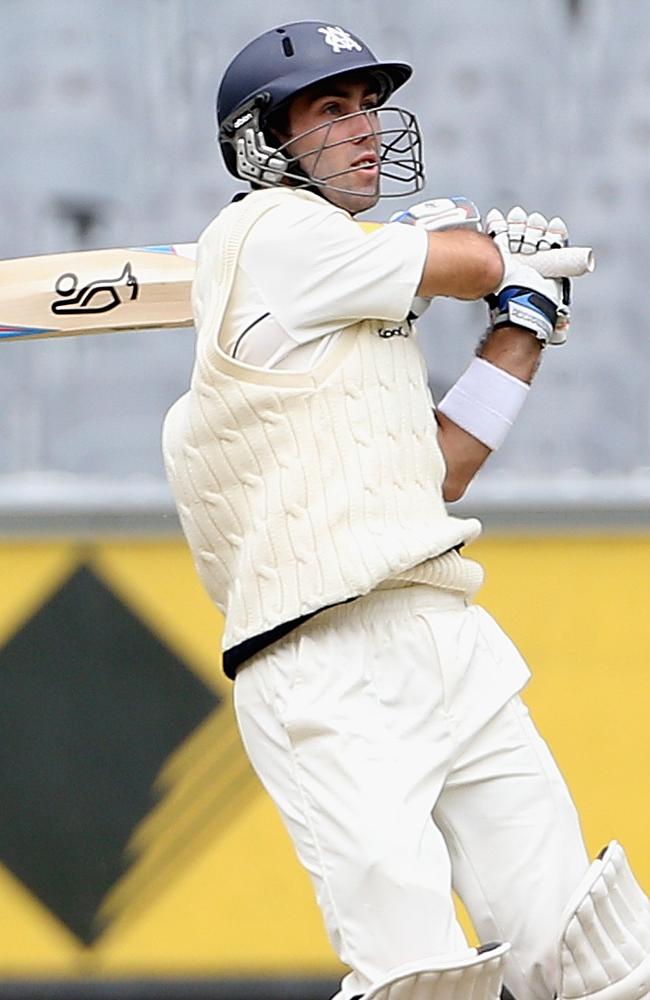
[96,291]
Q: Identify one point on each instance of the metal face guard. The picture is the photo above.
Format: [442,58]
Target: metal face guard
[398,141]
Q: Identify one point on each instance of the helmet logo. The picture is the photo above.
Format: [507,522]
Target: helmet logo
[242,120]
[339,40]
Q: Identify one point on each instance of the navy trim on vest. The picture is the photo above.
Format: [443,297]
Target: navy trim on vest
[236,655]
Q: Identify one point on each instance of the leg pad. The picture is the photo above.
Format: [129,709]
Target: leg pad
[477,975]
[605,946]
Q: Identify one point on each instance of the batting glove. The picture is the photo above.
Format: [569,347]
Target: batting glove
[438,215]
[524,298]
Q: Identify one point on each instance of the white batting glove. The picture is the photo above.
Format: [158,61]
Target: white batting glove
[524,298]
[438,215]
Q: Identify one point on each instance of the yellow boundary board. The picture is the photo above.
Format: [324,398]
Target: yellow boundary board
[577,607]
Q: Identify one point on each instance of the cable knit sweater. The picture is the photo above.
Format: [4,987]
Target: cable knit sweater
[300,490]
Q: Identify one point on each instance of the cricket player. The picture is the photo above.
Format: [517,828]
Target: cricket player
[378,704]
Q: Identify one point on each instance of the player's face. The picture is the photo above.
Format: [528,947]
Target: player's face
[342,151]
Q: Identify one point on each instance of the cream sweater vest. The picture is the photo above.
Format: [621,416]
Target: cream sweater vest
[301,490]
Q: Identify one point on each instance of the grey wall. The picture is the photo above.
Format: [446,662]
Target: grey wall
[107,139]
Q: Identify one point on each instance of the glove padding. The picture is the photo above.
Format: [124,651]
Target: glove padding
[438,215]
[524,298]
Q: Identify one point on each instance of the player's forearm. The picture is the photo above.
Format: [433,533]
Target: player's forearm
[464,455]
[513,350]
[460,264]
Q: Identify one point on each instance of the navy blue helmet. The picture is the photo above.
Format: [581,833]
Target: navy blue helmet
[276,66]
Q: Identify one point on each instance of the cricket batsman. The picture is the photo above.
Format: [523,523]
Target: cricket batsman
[379,705]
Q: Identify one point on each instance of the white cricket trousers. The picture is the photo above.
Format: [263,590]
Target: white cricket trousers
[391,737]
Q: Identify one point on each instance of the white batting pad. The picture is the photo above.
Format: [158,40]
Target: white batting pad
[605,947]
[475,976]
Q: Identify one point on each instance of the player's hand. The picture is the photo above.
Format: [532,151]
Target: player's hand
[524,298]
[438,215]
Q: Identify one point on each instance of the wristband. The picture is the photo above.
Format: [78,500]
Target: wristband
[485,402]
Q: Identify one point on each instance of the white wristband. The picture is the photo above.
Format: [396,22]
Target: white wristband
[485,402]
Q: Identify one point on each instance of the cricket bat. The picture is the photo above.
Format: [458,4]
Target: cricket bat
[140,288]
[96,291]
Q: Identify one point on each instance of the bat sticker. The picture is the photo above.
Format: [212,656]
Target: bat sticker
[92,298]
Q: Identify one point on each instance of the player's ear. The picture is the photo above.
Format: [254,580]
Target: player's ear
[277,126]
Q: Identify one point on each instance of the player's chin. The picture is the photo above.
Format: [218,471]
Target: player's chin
[362,197]
[362,202]
[352,191]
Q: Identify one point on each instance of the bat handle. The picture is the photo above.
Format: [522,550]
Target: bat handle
[566,262]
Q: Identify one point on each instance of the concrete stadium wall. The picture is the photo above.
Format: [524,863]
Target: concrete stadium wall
[108,117]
